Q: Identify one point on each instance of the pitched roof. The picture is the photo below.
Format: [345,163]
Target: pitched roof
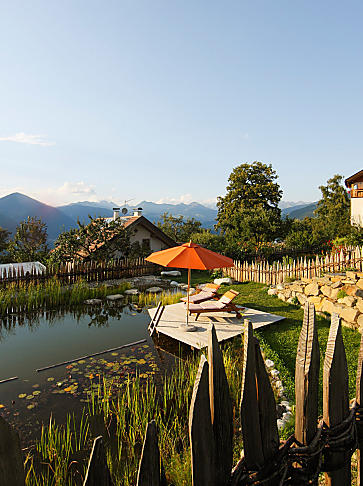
[358,176]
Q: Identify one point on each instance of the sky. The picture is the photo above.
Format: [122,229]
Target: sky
[159,100]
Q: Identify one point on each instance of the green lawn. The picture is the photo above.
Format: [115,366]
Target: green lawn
[279,341]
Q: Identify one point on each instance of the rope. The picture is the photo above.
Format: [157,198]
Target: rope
[297,464]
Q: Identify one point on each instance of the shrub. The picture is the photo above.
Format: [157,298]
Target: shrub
[341,294]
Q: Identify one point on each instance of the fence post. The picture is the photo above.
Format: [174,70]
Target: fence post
[151,471]
[97,470]
[11,458]
[336,398]
[359,399]
[258,412]
[200,429]
[221,411]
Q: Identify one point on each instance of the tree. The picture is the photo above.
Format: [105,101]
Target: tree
[97,241]
[4,235]
[333,210]
[178,228]
[29,243]
[250,209]
[210,240]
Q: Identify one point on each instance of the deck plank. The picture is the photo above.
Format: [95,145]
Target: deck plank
[226,324]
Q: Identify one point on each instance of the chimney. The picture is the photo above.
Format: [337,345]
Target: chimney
[137,212]
[116,213]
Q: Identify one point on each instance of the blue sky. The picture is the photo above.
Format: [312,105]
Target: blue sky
[159,100]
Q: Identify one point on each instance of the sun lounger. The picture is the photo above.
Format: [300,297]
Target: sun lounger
[224,304]
[208,292]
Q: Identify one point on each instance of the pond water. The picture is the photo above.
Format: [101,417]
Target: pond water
[28,343]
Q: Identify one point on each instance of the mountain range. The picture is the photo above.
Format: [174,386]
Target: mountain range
[17,207]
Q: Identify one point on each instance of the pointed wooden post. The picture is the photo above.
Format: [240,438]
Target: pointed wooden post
[307,378]
[221,412]
[11,457]
[336,397]
[258,408]
[359,399]
[150,466]
[200,429]
[97,471]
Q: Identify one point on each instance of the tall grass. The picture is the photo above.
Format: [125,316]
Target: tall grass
[51,294]
[120,412]
[166,298]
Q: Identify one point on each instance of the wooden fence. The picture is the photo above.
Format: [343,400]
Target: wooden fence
[317,446]
[69,273]
[277,272]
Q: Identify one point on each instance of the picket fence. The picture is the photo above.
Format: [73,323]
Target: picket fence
[69,273]
[277,272]
[317,446]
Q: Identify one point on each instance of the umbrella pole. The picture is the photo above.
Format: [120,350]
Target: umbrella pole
[188,296]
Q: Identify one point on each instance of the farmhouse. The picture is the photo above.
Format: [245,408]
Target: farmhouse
[354,184]
[143,231]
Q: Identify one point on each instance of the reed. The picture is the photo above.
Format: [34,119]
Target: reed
[166,298]
[120,412]
[24,298]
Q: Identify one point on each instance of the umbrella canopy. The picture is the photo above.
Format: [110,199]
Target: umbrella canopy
[190,256]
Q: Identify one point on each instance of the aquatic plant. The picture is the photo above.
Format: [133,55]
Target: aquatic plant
[51,294]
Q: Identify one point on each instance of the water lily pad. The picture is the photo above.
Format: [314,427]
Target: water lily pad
[2,406]
[37,392]
[30,397]
[22,395]
[50,378]
[81,361]
[59,383]
[114,354]
[31,406]
[69,388]
[68,367]
[36,385]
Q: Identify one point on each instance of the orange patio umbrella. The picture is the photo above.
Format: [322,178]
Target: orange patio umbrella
[190,256]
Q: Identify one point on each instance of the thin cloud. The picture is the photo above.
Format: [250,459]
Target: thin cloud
[29,139]
[76,188]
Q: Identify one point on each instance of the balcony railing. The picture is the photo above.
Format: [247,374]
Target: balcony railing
[356,193]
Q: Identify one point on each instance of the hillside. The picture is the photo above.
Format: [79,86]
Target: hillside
[16,207]
[303,212]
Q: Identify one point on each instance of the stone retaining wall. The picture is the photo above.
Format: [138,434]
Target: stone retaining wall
[339,293]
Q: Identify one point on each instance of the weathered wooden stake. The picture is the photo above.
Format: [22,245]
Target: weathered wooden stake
[336,397]
[11,457]
[150,465]
[97,471]
[359,399]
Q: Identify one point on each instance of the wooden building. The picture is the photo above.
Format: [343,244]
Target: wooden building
[354,184]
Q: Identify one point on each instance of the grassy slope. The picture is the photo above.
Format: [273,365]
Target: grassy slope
[282,338]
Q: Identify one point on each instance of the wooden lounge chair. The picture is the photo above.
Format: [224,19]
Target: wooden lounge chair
[208,292]
[224,304]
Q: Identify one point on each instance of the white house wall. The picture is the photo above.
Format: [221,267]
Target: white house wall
[356,206]
[143,234]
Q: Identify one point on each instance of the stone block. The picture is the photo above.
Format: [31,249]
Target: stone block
[351,275]
[301,298]
[359,304]
[336,284]
[133,291]
[351,325]
[297,287]
[281,296]
[330,307]
[335,279]
[224,280]
[115,297]
[306,280]
[312,289]
[360,283]
[272,292]
[334,293]
[360,321]
[359,293]
[170,273]
[315,299]
[326,290]
[154,290]
[287,293]
[349,314]
[350,289]
[323,280]
[348,301]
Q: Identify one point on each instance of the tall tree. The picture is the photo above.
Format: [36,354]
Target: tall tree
[4,242]
[177,227]
[250,207]
[98,240]
[333,210]
[29,243]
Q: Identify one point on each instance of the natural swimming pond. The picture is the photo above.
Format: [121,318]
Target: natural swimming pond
[39,340]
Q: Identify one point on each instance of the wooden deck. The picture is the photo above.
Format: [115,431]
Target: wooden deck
[226,324]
